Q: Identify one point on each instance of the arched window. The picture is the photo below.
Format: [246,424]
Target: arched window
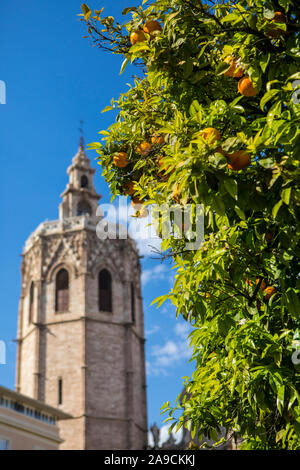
[105,291]
[62,291]
[84,208]
[132,295]
[31,303]
[84,182]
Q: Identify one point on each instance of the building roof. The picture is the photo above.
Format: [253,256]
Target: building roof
[25,400]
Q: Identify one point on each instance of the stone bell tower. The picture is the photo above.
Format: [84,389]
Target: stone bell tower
[81,332]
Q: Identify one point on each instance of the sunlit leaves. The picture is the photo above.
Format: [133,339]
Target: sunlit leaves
[244,377]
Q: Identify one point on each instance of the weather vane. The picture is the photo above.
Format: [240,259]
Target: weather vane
[81,140]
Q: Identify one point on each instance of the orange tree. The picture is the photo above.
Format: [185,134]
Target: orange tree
[213,119]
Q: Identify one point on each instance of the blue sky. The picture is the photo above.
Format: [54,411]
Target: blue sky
[53,79]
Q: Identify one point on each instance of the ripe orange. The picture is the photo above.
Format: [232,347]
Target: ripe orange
[234,70]
[269,237]
[159,161]
[157,139]
[161,174]
[144,149]
[137,36]
[129,188]
[120,160]
[246,87]
[210,134]
[152,26]
[273,31]
[263,283]
[239,160]
[269,291]
[250,283]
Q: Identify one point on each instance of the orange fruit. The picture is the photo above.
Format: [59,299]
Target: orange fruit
[157,139]
[161,174]
[269,291]
[144,149]
[263,283]
[269,237]
[250,283]
[234,70]
[239,160]
[120,160]
[210,134]
[137,36]
[246,87]
[273,31]
[129,188]
[152,26]
[160,162]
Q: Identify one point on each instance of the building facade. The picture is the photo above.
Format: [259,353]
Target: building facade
[26,424]
[81,331]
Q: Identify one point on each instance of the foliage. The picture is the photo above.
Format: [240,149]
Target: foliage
[245,379]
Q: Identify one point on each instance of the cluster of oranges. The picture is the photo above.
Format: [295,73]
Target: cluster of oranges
[150,27]
[121,161]
[237,160]
[269,291]
[245,85]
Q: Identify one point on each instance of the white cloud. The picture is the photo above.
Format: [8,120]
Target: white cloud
[182,329]
[152,330]
[172,352]
[158,273]
[152,370]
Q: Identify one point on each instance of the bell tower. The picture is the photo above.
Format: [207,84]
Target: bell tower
[79,197]
[81,328]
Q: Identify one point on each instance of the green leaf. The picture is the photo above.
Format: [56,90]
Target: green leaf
[240,213]
[279,435]
[124,63]
[231,187]
[232,17]
[129,9]
[297,428]
[276,208]
[286,195]
[292,301]
[86,11]
[221,68]
[267,97]
[194,108]
[107,108]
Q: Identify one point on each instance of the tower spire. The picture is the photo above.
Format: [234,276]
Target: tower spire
[81,139]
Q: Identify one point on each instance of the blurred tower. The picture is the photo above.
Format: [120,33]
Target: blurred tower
[81,331]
